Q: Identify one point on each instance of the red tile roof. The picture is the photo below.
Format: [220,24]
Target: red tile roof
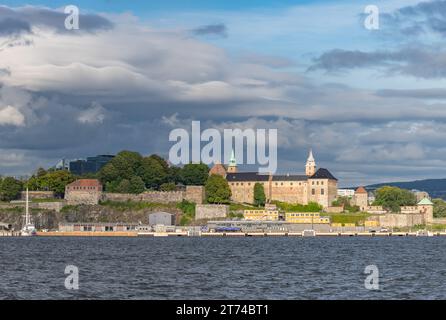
[361,190]
[219,169]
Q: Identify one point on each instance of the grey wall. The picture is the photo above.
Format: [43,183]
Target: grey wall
[164,218]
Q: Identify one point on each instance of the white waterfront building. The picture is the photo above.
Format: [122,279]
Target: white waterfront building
[346,192]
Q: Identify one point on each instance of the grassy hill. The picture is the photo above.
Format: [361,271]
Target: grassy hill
[435,187]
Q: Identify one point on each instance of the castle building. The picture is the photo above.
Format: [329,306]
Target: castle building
[83,191]
[316,185]
[361,198]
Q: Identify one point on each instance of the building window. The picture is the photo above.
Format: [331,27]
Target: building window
[313,191]
[322,191]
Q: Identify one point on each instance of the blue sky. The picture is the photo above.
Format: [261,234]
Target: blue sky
[371,103]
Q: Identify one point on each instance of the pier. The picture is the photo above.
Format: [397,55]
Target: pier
[218,234]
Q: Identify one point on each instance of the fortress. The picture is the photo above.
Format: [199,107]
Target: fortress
[316,185]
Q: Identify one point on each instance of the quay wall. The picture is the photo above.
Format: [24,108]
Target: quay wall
[399,220]
[88,234]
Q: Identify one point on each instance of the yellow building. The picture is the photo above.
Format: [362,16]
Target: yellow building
[305,217]
[371,223]
[261,215]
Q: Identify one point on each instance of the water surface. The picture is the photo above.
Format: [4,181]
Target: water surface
[223,268]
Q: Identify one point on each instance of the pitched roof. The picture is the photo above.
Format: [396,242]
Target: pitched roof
[425,202]
[247,176]
[219,169]
[290,177]
[323,173]
[85,183]
[361,190]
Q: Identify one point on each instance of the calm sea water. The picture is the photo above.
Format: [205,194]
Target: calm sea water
[223,268]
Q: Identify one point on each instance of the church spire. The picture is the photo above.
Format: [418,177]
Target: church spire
[310,166]
[232,167]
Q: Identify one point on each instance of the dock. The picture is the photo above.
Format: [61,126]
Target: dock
[212,234]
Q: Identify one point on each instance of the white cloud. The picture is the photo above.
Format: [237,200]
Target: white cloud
[145,80]
[94,114]
[11,116]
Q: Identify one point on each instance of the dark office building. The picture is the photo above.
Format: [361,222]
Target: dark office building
[90,165]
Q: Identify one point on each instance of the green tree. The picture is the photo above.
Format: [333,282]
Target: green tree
[153,171]
[137,186]
[125,165]
[259,195]
[391,198]
[217,190]
[10,189]
[439,208]
[51,181]
[40,172]
[195,174]
[345,202]
[169,186]
[112,186]
[123,186]
[174,174]
[160,160]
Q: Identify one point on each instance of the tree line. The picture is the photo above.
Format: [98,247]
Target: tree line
[127,172]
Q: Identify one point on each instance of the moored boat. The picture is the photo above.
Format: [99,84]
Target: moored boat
[28,228]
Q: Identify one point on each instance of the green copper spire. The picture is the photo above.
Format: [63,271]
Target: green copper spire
[232,161]
[425,201]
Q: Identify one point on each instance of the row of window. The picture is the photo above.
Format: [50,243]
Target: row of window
[277,183]
[313,191]
[303,214]
[264,183]
[83,188]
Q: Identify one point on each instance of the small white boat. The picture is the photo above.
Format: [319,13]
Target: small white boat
[424,233]
[28,228]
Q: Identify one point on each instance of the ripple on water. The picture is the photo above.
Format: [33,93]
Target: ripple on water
[223,268]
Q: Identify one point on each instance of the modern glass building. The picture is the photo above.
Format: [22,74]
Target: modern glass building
[90,165]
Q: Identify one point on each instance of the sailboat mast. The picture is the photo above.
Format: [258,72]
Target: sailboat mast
[27,209]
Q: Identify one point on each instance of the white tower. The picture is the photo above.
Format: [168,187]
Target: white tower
[310,166]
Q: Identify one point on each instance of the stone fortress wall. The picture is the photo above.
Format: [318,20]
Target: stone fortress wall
[192,194]
[211,211]
[37,195]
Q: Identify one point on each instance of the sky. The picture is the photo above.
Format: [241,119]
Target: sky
[370,103]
